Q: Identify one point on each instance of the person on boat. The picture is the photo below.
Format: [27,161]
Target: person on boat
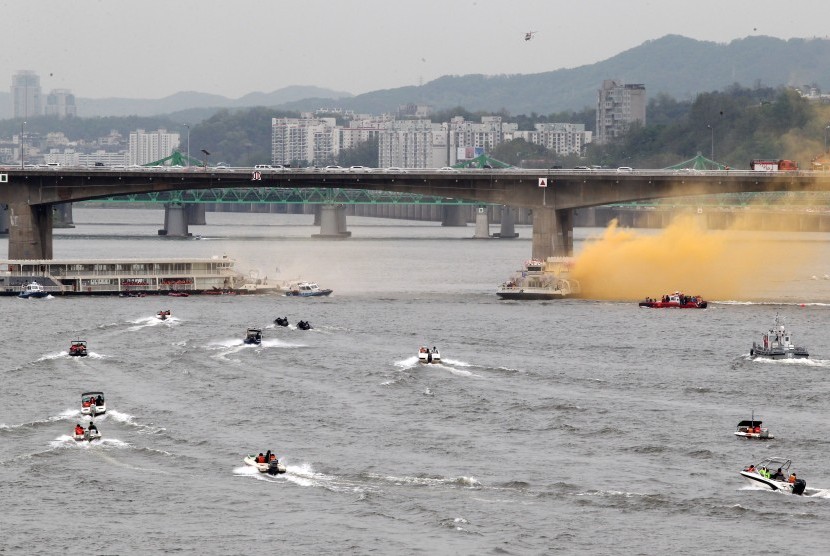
[267,457]
[92,401]
[779,475]
[86,402]
[273,457]
[92,428]
[99,400]
[757,429]
[260,458]
[763,472]
[79,430]
[750,469]
[792,478]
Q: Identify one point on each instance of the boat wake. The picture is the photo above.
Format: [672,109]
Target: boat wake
[146,322]
[802,362]
[426,481]
[67,441]
[450,365]
[67,415]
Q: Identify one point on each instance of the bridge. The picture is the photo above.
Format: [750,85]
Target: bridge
[552,195]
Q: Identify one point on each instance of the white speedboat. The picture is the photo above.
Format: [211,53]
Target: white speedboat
[306,289]
[777,344]
[32,289]
[93,403]
[273,467]
[426,355]
[753,429]
[549,279]
[774,474]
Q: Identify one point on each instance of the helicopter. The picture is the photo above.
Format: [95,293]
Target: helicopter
[529,35]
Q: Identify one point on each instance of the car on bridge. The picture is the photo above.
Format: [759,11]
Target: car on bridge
[625,170]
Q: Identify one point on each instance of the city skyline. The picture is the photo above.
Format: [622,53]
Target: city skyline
[232,50]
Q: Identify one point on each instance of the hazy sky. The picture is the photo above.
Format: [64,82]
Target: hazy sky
[154,48]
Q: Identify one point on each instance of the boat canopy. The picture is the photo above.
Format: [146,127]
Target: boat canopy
[753,423]
[86,395]
[774,463]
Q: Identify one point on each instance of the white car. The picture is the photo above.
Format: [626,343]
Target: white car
[333,168]
[395,170]
[359,169]
[447,169]
[625,170]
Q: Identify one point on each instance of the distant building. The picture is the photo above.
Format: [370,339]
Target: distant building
[618,106]
[414,144]
[146,147]
[472,139]
[309,140]
[561,138]
[25,92]
[60,103]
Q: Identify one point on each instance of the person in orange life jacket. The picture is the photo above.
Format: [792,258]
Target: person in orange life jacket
[79,430]
[260,458]
[86,403]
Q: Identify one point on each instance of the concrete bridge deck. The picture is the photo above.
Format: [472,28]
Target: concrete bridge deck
[552,195]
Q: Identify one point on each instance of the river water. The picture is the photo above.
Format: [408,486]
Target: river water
[577,426]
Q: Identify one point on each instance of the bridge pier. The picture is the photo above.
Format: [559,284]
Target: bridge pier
[175,221]
[30,231]
[4,219]
[508,223]
[453,216]
[195,213]
[332,222]
[62,217]
[552,232]
[482,224]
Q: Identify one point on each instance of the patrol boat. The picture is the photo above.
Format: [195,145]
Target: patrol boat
[548,279]
[777,343]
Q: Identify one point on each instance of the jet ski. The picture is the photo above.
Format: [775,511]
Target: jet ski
[273,467]
[88,435]
[163,315]
[304,325]
[281,321]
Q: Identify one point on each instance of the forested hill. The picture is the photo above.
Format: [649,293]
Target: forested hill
[676,65]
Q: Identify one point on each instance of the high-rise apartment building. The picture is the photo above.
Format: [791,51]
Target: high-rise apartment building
[304,140]
[414,144]
[61,103]
[561,138]
[618,106]
[25,91]
[150,146]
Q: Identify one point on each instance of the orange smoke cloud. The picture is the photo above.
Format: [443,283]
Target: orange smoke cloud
[718,265]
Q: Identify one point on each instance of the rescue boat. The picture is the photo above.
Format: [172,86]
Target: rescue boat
[274,467]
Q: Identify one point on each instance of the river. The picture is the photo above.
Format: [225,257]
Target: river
[574,427]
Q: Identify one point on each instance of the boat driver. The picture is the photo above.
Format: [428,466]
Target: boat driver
[92,427]
[779,475]
[99,400]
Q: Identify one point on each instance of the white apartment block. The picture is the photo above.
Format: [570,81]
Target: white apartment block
[309,140]
[146,147]
[561,138]
[26,97]
[488,134]
[618,106]
[360,131]
[415,144]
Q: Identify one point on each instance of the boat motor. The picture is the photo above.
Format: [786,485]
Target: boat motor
[273,468]
[799,486]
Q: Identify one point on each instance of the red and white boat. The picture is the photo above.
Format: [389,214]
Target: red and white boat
[675,300]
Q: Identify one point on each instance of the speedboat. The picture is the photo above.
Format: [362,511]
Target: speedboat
[777,344]
[163,315]
[304,325]
[753,429]
[281,321]
[426,355]
[273,467]
[77,348]
[675,300]
[32,289]
[253,336]
[548,279]
[93,403]
[306,289]
[88,435]
[774,474]
[178,294]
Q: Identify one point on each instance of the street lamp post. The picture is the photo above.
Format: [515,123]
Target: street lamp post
[207,154]
[188,143]
[712,151]
[825,137]
[22,123]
